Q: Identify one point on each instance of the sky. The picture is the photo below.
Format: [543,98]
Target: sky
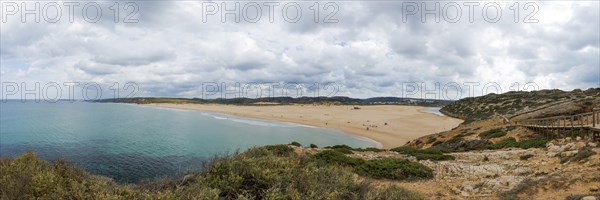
[348,48]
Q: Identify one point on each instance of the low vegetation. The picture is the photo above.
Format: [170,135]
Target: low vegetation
[348,150]
[525,157]
[388,168]
[457,144]
[524,187]
[294,143]
[582,154]
[423,154]
[533,143]
[345,149]
[272,172]
[493,133]
[453,145]
[506,143]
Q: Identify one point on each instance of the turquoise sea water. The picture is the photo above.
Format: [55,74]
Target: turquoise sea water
[129,142]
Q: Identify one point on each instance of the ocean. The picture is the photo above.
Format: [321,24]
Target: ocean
[130,142]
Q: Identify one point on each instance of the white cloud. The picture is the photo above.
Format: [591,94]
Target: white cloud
[370,52]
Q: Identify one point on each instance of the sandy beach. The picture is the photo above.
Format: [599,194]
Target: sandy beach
[390,125]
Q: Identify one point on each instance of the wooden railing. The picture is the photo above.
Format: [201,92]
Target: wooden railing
[589,122]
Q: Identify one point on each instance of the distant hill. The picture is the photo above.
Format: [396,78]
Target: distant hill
[288,100]
[518,102]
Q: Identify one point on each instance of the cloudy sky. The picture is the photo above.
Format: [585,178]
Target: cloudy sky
[366,48]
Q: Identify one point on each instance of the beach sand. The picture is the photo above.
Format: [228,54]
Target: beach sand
[404,123]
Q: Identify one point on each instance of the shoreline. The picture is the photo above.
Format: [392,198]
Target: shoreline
[386,126]
[372,142]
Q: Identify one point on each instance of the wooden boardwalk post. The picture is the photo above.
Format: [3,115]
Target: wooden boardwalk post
[594,118]
[564,126]
[572,125]
[582,130]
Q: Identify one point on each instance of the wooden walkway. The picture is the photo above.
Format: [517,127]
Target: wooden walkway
[585,125]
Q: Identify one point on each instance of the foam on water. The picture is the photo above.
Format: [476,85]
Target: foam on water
[255,122]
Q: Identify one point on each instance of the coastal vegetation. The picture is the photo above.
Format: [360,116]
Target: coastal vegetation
[348,150]
[493,133]
[423,154]
[453,145]
[388,168]
[270,172]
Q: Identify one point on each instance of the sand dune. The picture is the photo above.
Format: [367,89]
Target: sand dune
[404,123]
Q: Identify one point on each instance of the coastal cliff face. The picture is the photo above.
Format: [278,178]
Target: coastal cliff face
[518,102]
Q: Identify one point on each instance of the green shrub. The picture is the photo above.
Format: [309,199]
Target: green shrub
[525,157]
[423,154]
[455,139]
[389,168]
[294,143]
[493,133]
[332,156]
[339,146]
[345,149]
[371,149]
[510,128]
[431,139]
[463,145]
[313,146]
[464,134]
[582,154]
[280,150]
[533,143]
[506,143]
[396,169]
